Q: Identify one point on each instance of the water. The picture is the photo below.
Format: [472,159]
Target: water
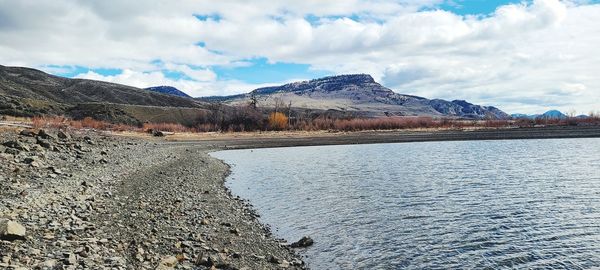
[477,204]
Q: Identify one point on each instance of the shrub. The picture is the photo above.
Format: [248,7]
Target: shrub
[277,121]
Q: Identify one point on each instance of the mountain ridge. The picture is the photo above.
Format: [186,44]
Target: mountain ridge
[170,90]
[359,93]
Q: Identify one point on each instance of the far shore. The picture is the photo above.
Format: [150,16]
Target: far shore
[247,140]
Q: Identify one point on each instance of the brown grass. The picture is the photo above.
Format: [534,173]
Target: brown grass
[170,127]
[277,121]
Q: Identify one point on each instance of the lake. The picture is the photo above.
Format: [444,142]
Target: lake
[430,205]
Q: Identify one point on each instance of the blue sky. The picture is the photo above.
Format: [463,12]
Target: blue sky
[532,56]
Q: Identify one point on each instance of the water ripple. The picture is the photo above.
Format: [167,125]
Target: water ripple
[529,204]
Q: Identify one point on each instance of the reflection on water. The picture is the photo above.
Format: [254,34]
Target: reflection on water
[476,204]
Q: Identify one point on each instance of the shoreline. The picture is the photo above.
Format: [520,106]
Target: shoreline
[151,202]
[272,140]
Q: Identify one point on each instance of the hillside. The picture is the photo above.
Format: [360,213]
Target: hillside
[30,92]
[358,93]
[168,90]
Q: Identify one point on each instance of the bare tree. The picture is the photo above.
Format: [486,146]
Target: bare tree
[253,100]
[289,113]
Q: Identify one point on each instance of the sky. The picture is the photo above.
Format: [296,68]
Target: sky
[520,56]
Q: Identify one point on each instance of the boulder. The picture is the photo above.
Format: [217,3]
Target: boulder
[43,143]
[11,151]
[27,133]
[16,145]
[45,135]
[303,242]
[63,135]
[11,230]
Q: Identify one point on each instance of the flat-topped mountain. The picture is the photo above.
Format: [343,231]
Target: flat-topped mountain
[358,93]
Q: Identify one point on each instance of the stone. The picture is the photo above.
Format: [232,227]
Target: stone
[63,135]
[70,259]
[45,135]
[29,160]
[48,264]
[158,133]
[168,262]
[11,230]
[16,145]
[12,151]
[275,260]
[43,143]
[27,133]
[303,242]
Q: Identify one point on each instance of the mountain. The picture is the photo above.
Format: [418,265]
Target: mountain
[30,92]
[168,90]
[551,114]
[358,93]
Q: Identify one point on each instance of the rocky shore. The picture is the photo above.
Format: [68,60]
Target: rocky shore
[83,200]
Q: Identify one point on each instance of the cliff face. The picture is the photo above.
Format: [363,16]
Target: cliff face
[360,93]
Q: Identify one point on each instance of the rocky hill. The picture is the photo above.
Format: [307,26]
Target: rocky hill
[358,93]
[30,92]
[168,90]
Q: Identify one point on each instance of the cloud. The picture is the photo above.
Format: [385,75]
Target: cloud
[522,57]
[191,87]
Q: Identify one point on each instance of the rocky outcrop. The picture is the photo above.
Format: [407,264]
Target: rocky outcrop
[360,93]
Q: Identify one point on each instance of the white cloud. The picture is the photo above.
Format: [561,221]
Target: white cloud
[191,87]
[524,57]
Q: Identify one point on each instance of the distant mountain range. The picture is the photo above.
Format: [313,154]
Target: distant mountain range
[168,90]
[30,92]
[552,114]
[361,94]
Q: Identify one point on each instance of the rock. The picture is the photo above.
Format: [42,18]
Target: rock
[88,140]
[273,259]
[303,242]
[45,135]
[12,151]
[103,161]
[43,143]
[16,145]
[28,160]
[11,230]
[70,259]
[48,264]
[63,135]
[158,133]
[27,133]
[168,262]
[204,222]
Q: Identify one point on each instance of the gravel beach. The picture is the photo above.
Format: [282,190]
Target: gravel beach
[89,201]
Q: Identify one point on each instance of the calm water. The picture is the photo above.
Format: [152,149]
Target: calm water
[478,204]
